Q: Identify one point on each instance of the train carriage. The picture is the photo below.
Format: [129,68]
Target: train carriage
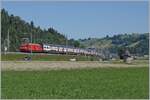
[75,50]
[50,48]
[70,50]
[61,49]
[65,50]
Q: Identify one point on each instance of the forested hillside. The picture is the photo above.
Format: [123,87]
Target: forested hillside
[136,43]
[20,30]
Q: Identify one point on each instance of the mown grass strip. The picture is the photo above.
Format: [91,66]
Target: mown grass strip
[44,57]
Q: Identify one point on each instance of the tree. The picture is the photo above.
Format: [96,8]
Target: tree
[121,53]
[107,36]
[32,24]
[76,44]
[17,27]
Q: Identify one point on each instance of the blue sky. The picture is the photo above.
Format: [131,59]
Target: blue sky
[84,19]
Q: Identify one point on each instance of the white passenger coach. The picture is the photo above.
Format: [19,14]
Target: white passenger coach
[49,48]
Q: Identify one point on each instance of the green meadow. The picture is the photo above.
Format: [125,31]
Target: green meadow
[104,83]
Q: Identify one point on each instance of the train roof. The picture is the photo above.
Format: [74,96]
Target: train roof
[30,44]
[64,46]
[60,45]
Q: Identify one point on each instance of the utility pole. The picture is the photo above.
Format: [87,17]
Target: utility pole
[5,46]
[66,43]
[8,40]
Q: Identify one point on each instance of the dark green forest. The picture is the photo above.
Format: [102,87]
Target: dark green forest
[20,31]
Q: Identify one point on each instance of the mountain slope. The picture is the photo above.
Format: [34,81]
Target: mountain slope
[136,43]
[20,30]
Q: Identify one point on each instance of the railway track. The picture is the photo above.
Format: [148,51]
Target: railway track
[30,53]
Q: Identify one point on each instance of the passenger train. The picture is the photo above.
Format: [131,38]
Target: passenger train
[57,49]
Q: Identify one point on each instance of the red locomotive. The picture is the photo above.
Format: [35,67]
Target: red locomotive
[28,47]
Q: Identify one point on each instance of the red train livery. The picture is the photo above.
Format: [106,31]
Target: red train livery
[28,47]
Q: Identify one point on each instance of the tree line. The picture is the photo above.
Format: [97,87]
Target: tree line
[137,44]
[20,31]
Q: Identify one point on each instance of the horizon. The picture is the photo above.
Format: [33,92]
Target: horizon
[77,26]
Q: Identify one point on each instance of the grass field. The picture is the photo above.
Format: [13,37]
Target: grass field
[44,57]
[80,83]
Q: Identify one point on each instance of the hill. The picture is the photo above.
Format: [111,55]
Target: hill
[136,43]
[20,31]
